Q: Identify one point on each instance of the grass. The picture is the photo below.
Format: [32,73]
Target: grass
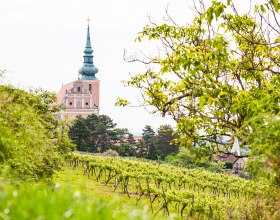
[73,178]
[74,197]
[39,202]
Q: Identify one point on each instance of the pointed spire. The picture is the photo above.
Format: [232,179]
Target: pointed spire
[88,70]
[88,35]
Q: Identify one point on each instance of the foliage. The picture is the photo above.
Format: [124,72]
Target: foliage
[31,139]
[164,140]
[98,134]
[266,148]
[60,203]
[229,165]
[216,74]
[148,136]
[95,133]
[127,150]
[110,153]
[193,193]
[156,145]
[79,133]
[141,149]
[185,159]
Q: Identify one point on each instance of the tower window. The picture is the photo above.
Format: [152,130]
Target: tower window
[70,103]
[89,87]
[86,103]
[79,89]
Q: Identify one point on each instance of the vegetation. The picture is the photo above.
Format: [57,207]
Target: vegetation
[265,139]
[95,133]
[156,145]
[98,134]
[164,141]
[218,76]
[31,138]
[60,203]
[191,193]
[159,144]
[185,159]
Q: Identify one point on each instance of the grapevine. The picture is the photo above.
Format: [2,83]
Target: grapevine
[188,191]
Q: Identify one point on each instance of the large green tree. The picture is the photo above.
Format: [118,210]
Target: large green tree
[80,133]
[95,133]
[266,148]
[31,138]
[164,141]
[148,136]
[216,74]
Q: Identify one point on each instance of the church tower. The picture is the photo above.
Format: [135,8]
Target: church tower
[88,70]
[81,97]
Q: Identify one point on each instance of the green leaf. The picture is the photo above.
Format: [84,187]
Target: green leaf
[263,9]
[222,93]
[219,9]
[209,15]
[122,102]
[275,5]
[256,8]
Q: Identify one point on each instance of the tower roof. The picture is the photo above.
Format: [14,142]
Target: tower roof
[88,69]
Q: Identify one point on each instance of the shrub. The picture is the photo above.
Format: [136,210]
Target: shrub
[110,153]
[31,139]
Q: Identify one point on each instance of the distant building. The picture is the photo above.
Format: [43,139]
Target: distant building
[239,164]
[81,97]
[233,163]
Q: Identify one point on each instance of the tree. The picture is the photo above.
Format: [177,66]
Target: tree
[126,150]
[127,146]
[130,140]
[148,136]
[31,138]
[118,136]
[141,149]
[163,141]
[103,133]
[266,148]
[215,75]
[79,134]
[95,133]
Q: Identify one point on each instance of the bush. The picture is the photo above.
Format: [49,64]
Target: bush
[110,153]
[229,165]
[185,159]
[31,139]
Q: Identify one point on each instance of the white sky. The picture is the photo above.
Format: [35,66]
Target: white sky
[42,43]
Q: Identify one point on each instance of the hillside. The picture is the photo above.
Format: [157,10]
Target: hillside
[96,187]
[169,190]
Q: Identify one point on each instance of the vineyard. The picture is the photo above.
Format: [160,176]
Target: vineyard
[170,189]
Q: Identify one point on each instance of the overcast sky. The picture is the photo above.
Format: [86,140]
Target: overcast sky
[42,43]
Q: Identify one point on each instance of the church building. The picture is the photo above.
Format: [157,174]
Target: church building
[81,97]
